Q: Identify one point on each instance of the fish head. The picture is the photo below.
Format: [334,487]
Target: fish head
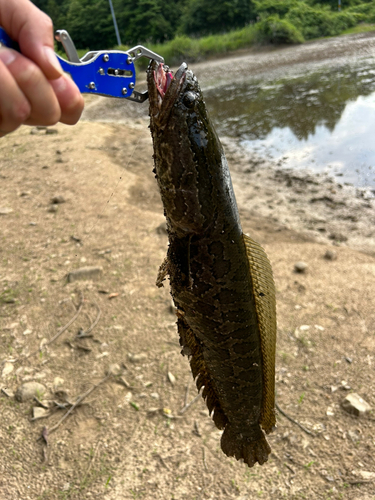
[187,150]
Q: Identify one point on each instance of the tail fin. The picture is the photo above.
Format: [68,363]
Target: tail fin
[251,449]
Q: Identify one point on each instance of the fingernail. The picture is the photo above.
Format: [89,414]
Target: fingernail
[52,59]
[7,56]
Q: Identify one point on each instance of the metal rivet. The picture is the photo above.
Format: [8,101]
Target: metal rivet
[129,60]
[101,71]
[131,85]
[106,58]
[116,72]
[124,91]
[92,85]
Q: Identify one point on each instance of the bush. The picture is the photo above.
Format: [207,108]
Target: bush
[276,30]
[364,12]
[266,8]
[318,22]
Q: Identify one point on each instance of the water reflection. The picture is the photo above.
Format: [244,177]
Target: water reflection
[323,120]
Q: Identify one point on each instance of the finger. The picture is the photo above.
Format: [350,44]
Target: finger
[45,108]
[70,99]
[14,106]
[33,30]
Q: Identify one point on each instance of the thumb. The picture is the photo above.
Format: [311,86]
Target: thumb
[33,30]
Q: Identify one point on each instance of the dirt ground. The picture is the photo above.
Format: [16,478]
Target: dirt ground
[128,438]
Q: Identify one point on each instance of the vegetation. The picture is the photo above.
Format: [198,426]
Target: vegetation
[194,29]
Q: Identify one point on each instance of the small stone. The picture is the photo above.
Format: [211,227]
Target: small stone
[354,436]
[32,223]
[5,210]
[137,358]
[114,369]
[51,131]
[171,378]
[85,273]
[57,383]
[28,390]
[338,237]
[58,199]
[34,131]
[367,475]
[52,209]
[162,228]
[155,395]
[330,255]
[355,405]
[39,412]
[128,397]
[27,331]
[41,127]
[7,369]
[330,411]
[7,392]
[300,267]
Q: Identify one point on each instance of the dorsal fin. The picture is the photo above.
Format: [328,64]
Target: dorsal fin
[265,304]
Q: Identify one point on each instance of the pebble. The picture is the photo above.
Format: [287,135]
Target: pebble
[58,199]
[52,209]
[171,378]
[162,228]
[5,210]
[330,255]
[28,390]
[114,369]
[7,369]
[85,273]
[137,358]
[300,267]
[39,412]
[355,405]
[57,383]
[51,131]
[155,395]
[337,237]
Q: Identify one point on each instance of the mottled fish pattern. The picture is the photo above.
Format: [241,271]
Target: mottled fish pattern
[221,280]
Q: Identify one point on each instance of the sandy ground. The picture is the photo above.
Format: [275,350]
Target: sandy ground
[128,438]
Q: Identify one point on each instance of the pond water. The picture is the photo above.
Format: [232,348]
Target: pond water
[322,119]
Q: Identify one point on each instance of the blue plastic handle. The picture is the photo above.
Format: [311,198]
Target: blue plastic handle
[109,73]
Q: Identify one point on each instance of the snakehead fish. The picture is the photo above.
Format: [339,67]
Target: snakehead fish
[221,280]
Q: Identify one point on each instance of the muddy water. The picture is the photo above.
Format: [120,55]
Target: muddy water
[316,114]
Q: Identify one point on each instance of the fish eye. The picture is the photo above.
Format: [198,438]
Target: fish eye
[189,99]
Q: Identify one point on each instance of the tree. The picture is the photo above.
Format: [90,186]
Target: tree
[204,17]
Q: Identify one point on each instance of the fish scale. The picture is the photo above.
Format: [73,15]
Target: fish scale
[221,280]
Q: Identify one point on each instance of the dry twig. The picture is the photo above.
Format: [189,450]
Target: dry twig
[204,458]
[186,407]
[78,402]
[82,334]
[65,327]
[294,421]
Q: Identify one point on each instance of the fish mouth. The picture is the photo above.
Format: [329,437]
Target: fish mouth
[163,79]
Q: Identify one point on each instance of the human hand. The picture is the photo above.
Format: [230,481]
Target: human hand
[33,88]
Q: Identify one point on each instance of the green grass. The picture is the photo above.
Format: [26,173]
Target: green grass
[360,28]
